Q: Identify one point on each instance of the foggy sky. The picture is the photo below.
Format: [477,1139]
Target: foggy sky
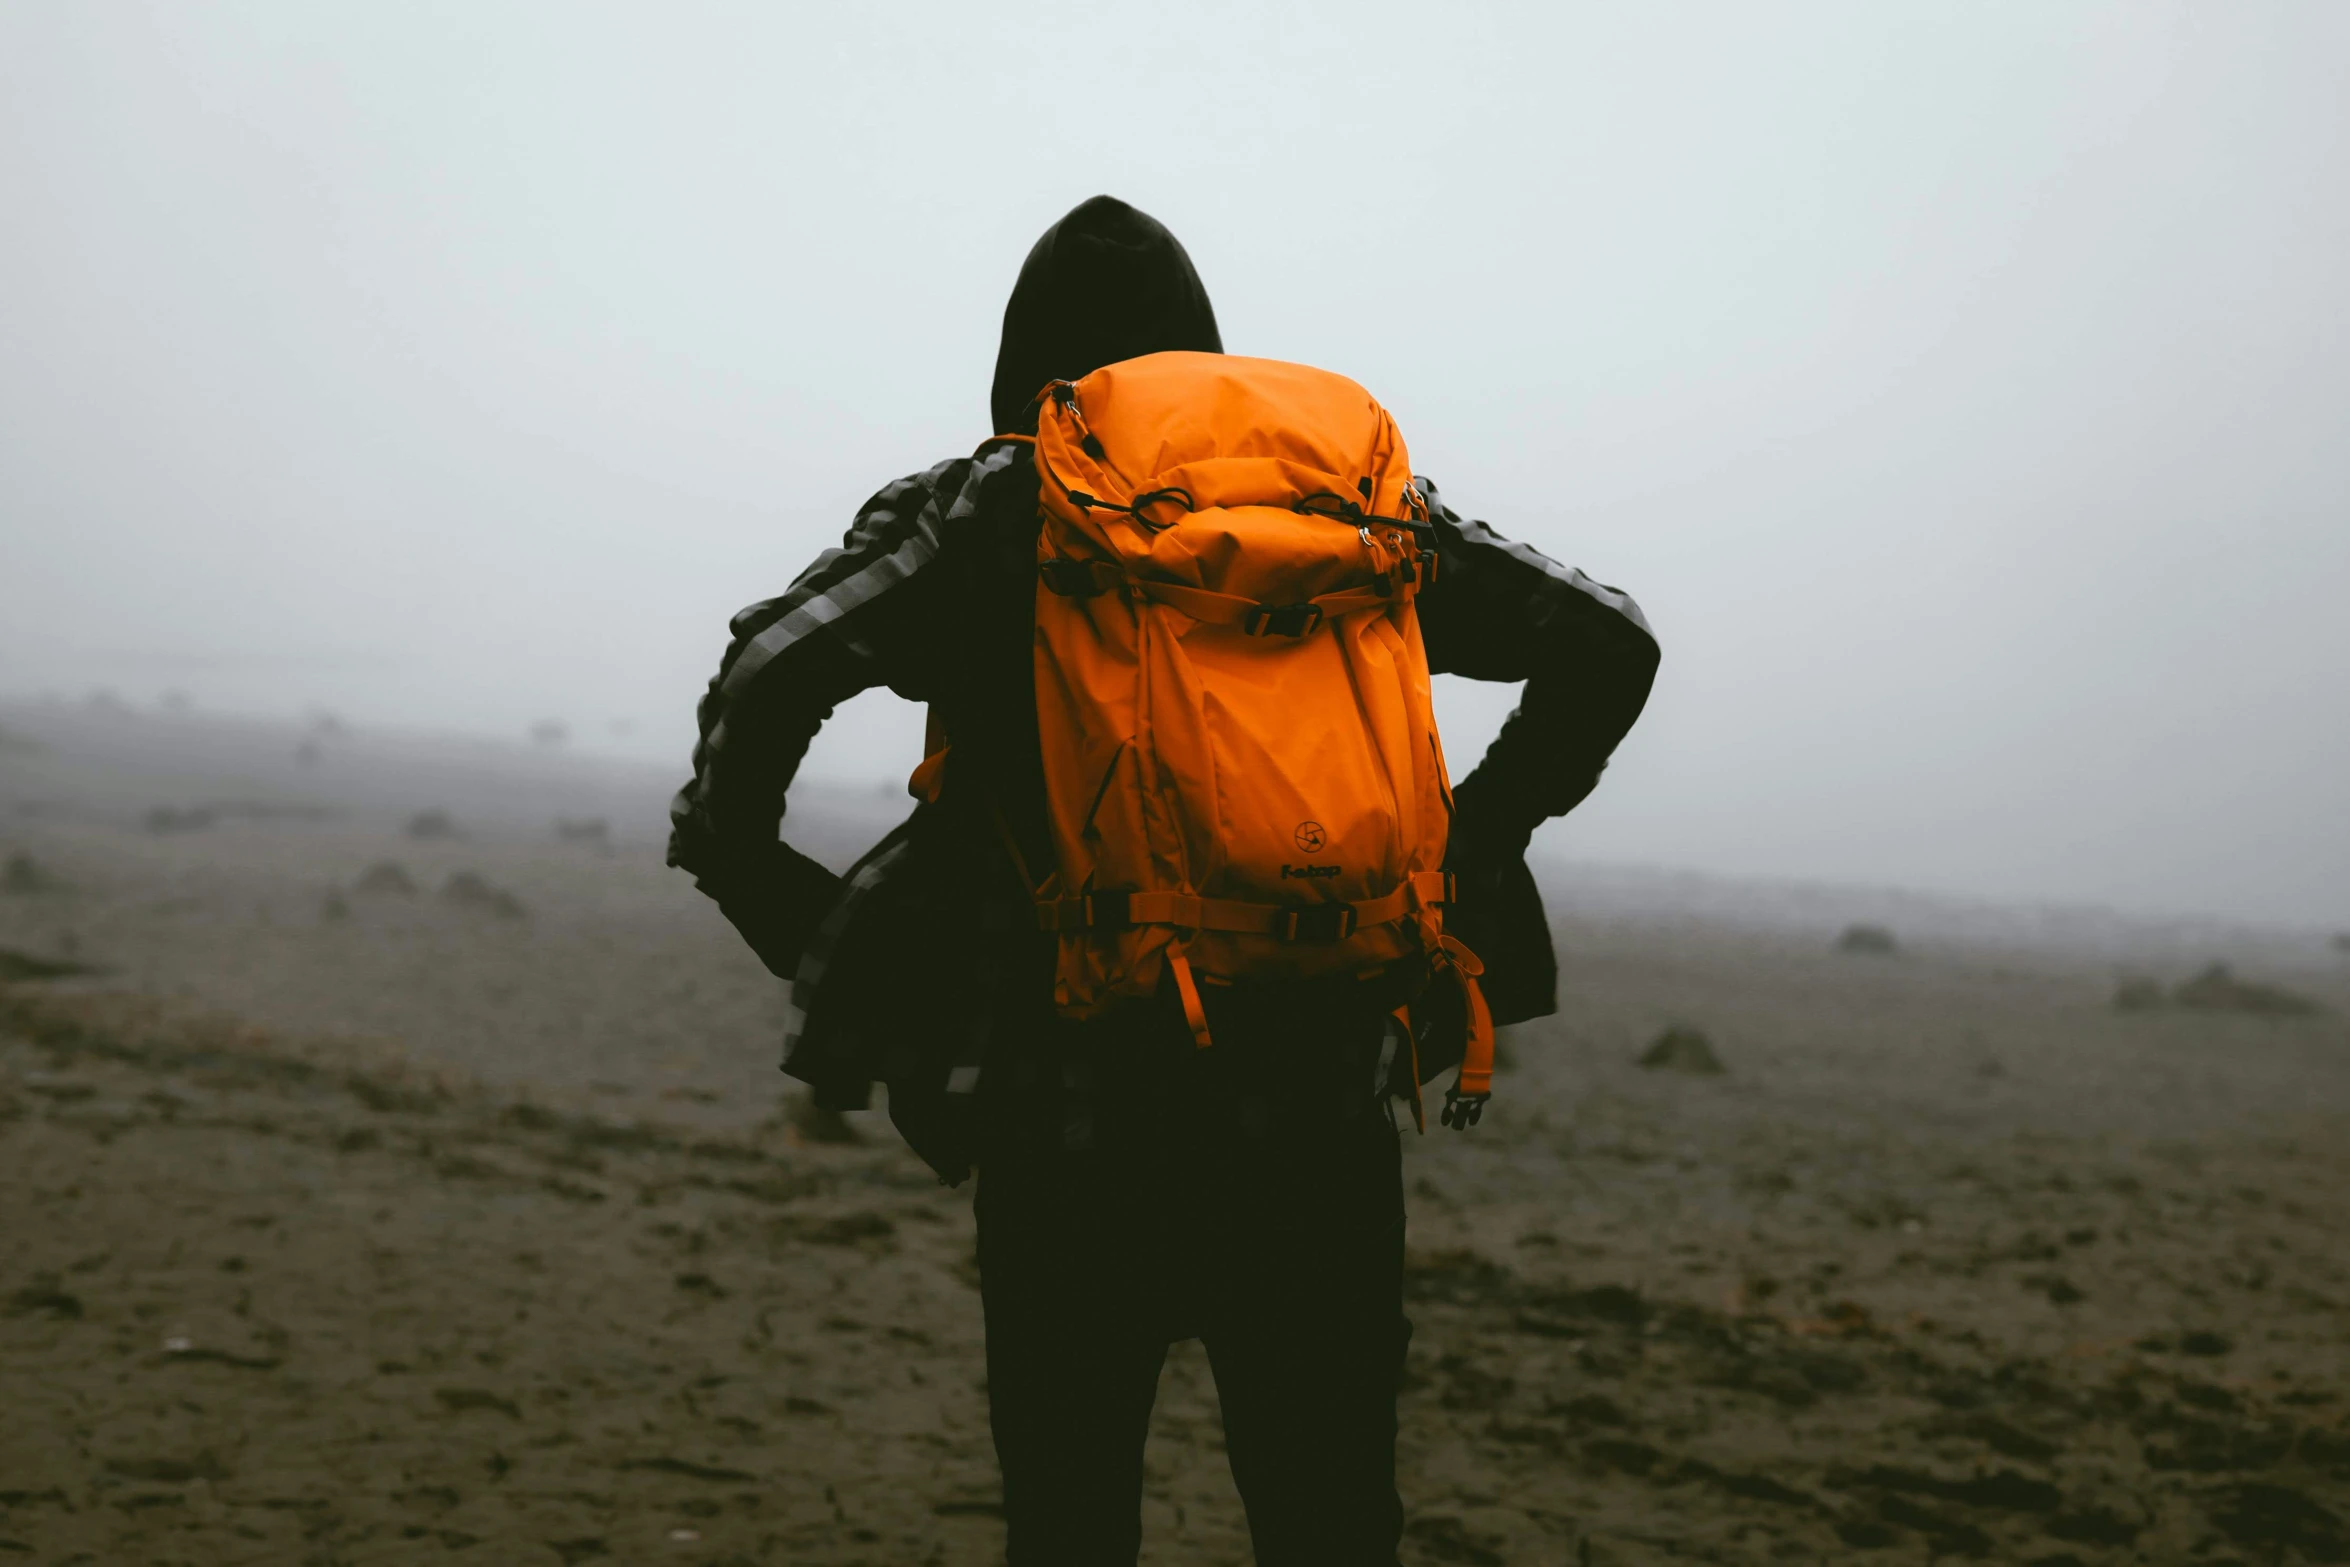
[1964,391]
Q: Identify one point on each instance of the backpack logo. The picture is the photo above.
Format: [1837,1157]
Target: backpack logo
[1310,837]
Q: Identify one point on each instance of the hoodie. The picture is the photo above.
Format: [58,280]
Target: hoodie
[1104,284]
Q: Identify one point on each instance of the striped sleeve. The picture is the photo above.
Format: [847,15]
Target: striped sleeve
[838,630]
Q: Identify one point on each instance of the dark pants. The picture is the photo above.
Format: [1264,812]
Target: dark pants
[1175,1200]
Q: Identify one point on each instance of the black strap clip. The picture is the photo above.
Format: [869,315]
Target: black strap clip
[1282,620]
[1318,922]
[1065,393]
[1110,910]
[1462,1111]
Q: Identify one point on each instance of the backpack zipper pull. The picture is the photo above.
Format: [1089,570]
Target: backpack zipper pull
[1065,393]
[1380,576]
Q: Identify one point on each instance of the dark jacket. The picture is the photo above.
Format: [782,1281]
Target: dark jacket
[910,968]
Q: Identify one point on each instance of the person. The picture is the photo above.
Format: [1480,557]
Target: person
[1132,1190]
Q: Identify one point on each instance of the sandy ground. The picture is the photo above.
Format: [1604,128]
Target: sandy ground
[350,1226]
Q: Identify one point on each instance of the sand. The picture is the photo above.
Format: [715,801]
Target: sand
[361,1226]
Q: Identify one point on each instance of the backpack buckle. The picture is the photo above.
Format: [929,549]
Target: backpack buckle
[1108,910]
[1318,922]
[1282,620]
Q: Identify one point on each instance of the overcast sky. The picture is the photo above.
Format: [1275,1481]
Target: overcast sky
[1964,390]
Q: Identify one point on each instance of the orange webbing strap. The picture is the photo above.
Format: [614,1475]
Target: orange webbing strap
[1193,1012]
[1464,1102]
[1477,1059]
[928,781]
[930,777]
[1290,921]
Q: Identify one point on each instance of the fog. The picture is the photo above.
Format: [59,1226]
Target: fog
[1963,391]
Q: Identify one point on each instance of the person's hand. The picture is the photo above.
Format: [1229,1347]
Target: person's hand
[1486,832]
[1497,910]
[776,900]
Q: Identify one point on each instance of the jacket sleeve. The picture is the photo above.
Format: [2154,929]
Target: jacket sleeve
[851,621]
[1500,610]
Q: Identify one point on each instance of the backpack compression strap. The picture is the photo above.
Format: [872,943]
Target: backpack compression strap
[1472,1086]
[1464,1102]
[1087,578]
[1399,575]
[1285,921]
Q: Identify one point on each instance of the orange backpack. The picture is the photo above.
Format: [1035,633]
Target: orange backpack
[1244,777]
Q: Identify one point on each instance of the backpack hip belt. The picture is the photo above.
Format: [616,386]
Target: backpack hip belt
[1282,921]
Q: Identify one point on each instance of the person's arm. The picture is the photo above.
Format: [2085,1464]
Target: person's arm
[1501,610]
[849,623]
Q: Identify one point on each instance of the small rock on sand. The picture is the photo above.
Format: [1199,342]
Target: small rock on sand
[26,875]
[2216,989]
[28,965]
[432,825]
[1873,939]
[385,876]
[1683,1050]
[468,890]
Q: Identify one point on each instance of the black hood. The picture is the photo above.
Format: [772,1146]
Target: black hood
[1105,283]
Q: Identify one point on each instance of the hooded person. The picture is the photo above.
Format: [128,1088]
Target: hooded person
[1105,284]
[1133,1190]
